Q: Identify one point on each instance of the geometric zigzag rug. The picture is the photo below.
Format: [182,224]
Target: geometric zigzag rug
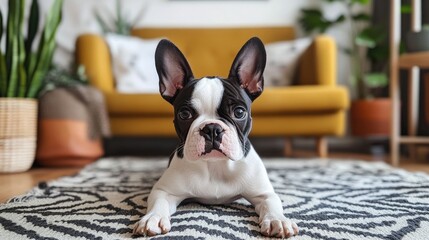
[327,199]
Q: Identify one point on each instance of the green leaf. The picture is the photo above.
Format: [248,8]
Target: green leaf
[376,80]
[121,23]
[46,48]
[101,23]
[22,76]
[53,18]
[363,2]
[3,76]
[33,26]
[370,36]
[138,17]
[339,19]
[361,17]
[1,25]
[406,8]
[13,69]
[379,53]
[12,46]
[313,20]
[3,70]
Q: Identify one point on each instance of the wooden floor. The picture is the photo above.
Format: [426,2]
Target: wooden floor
[14,184]
[19,183]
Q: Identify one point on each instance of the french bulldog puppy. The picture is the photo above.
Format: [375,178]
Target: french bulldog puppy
[215,162]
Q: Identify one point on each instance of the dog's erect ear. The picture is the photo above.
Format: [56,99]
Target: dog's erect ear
[173,70]
[248,67]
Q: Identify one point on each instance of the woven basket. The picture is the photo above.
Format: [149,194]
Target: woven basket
[18,127]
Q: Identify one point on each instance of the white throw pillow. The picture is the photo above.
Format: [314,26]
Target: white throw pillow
[282,61]
[133,61]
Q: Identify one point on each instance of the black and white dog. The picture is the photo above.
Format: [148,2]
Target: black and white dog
[215,162]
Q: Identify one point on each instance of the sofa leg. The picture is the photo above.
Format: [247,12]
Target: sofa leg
[288,147]
[322,147]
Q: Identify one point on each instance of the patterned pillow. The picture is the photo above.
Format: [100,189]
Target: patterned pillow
[282,59]
[133,63]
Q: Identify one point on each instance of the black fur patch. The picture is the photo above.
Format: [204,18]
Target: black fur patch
[235,96]
[183,99]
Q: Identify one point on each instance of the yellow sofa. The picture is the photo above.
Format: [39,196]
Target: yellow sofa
[315,107]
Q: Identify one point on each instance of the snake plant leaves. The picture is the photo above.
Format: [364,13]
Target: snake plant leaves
[12,46]
[3,71]
[46,49]
[121,24]
[33,26]
[1,25]
[22,75]
[3,75]
[102,23]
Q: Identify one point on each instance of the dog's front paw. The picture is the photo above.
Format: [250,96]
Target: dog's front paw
[152,224]
[275,227]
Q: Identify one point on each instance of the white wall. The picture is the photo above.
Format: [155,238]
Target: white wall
[78,18]
[224,13]
[78,15]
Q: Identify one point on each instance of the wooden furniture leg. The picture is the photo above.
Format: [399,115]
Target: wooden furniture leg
[322,147]
[288,151]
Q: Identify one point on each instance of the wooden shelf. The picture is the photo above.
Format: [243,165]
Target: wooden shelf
[417,59]
[418,140]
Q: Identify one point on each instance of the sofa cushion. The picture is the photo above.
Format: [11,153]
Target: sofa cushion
[300,99]
[282,61]
[211,51]
[133,63]
[150,104]
[273,101]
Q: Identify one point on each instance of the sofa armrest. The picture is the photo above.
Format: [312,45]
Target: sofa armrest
[93,53]
[318,65]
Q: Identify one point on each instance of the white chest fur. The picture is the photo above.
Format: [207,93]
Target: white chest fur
[212,182]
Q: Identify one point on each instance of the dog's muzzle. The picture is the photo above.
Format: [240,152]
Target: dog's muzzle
[212,134]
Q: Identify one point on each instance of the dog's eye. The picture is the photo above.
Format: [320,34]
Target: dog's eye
[239,113]
[185,114]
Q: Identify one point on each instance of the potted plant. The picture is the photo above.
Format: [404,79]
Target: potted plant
[119,24]
[21,75]
[370,111]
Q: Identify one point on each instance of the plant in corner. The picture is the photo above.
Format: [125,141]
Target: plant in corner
[119,24]
[370,111]
[21,76]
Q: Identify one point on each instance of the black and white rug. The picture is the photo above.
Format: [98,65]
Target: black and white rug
[327,199]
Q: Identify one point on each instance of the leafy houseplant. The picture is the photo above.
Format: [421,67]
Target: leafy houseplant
[119,24]
[363,36]
[370,111]
[21,76]
[57,77]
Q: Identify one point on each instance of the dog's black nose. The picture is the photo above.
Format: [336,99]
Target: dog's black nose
[212,132]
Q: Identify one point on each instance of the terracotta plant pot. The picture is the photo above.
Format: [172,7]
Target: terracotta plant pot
[18,127]
[65,125]
[371,118]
